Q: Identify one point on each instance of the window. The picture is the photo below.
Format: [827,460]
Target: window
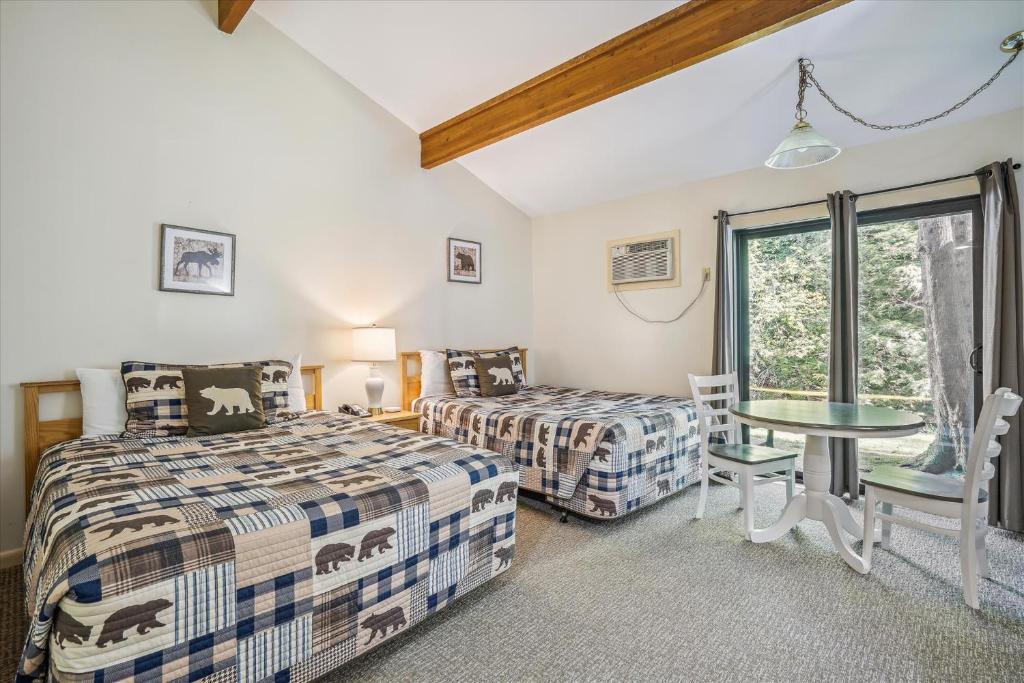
[918,311]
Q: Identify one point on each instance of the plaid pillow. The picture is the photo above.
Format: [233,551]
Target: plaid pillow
[462,367]
[155,395]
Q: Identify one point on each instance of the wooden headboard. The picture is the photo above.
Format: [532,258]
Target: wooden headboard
[41,434]
[411,373]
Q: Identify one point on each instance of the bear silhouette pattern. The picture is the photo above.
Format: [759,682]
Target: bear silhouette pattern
[68,629]
[664,487]
[602,453]
[332,555]
[393,618]
[229,400]
[167,382]
[586,428]
[375,540]
[506,426]
[603,505]
[96,502]
[481,498]
[109,476]
[505,555]
[134,385]
[140,617]
[280,376]
[135,524]
[542,434]
[356,480]
[542,460]
[502,376]
[506,491]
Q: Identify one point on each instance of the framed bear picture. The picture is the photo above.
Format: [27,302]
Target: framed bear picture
[196,261]
[464,261]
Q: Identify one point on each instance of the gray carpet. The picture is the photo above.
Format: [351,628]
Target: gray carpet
[660,596]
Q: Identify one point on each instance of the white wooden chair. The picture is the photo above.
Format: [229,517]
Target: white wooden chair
[966,500]
[752,465]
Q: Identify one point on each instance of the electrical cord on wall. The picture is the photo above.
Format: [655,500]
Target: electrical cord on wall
[703,286]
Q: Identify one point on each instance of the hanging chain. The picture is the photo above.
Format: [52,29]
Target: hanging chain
[807,75]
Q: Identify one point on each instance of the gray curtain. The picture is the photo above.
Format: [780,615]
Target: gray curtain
[723,357]
[842,361]
[1002,331]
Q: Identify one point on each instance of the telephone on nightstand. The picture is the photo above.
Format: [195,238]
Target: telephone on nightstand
[353,409]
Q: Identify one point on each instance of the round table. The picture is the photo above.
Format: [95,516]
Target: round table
[819,420]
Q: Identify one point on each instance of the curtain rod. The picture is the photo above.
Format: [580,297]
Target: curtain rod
[863,194]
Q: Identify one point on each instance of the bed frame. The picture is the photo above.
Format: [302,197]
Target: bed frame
[41,434]
[410,361]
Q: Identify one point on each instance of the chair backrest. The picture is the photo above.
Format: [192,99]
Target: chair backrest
[713,414]
[991,423]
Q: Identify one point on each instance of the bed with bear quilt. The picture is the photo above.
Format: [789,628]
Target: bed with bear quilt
[273,553]
[596,453]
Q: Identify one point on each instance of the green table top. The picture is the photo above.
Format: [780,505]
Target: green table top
[828,416]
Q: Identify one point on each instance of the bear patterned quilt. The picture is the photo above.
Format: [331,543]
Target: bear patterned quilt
[280,552]
[597,453]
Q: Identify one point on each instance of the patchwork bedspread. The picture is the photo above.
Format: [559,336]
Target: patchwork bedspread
[281,552]
[596,453]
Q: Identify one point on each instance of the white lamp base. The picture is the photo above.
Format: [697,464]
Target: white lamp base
[374,391]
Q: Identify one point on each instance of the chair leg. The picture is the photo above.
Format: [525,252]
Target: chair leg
[748,504]
[969,564]
[791,483]
[740,480]
[982,552]
[886,527]
[703,499]
[869,527]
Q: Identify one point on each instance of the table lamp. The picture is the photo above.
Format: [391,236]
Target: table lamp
[373,345]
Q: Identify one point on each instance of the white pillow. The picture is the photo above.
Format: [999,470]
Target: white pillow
[296,389]
[103,398]
[435,378]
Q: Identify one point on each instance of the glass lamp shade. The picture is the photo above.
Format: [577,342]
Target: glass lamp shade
[803,147]
[373,344]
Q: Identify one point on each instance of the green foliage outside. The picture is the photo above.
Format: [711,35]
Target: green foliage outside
[789,293]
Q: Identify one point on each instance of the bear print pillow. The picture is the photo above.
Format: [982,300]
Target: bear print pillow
[155,395]
[496,376]
[221,400]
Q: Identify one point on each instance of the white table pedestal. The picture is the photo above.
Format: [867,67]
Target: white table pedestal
[817,503]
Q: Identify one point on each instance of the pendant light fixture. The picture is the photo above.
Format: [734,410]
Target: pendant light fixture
[805,146]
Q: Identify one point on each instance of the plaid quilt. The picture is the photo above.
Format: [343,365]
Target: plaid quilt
[596,453]
[274,553]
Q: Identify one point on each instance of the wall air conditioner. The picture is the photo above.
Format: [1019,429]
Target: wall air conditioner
[644,261]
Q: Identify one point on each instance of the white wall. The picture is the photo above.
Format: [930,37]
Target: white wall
[584,338]
[119,116]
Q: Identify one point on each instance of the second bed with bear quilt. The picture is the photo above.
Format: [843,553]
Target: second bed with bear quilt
[277,553]
[596,453]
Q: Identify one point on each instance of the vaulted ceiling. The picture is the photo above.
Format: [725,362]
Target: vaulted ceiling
[888,60]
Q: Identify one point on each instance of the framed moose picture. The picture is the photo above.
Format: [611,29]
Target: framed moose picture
[463,261]
[196,261]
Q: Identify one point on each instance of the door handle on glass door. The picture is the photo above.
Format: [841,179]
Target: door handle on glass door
[973,360]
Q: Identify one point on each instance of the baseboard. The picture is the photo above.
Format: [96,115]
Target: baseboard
[10,558]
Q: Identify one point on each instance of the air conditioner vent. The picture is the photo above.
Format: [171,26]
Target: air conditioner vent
[642,261]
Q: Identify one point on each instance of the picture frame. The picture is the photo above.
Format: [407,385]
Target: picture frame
[196,261]
[464,261]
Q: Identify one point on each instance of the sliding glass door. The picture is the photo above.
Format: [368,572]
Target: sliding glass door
[917,323]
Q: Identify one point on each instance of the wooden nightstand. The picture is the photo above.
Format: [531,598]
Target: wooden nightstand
[406,419]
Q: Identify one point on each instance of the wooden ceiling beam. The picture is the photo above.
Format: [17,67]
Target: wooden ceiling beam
[686,35]
[230,12]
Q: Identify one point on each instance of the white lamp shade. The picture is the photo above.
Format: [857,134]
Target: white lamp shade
[373,344]
[803,147]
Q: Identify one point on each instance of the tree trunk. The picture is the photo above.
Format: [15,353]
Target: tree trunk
[947,296]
